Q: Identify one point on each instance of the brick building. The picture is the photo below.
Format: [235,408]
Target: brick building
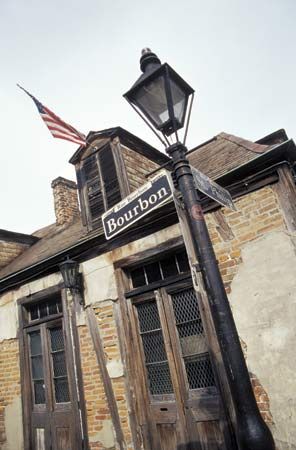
[130,361]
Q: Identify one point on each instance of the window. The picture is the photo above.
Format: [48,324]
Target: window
[160,286]
[164,268]
[99,184]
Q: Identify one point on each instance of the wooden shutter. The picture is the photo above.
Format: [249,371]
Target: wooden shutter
[93,188]
[99,183]
[109,177]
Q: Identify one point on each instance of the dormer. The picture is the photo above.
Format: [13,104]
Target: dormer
[111,166]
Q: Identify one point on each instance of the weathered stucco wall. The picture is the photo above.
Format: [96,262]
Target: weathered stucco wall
[263,299]
[101,295]
[258,265]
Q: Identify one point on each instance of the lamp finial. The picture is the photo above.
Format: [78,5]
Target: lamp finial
[148,60]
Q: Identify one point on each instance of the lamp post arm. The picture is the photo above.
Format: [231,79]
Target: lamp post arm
[251,431]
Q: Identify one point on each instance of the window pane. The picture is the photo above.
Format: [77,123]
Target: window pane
[35,343]
[34,312]
[138,277]
[57,339]
[59,364]
[43,309]
[154,347]
[61,390]
[153,272]
[52,307]
[192,340]
[39,392]
[37,367]
[160,379]
[199,372]
[183,262]
[148,316]
[46,308]
[186,306]
[169,267]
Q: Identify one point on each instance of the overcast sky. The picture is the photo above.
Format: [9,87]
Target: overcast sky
[79,56]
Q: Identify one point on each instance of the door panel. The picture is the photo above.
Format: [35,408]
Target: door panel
[52,414]
[184,403]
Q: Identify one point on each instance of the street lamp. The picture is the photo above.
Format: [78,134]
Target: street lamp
[72,277]
[161,97]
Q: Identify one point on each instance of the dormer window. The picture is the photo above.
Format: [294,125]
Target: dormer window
[114,164]
[100,187]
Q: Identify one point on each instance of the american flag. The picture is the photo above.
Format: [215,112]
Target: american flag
[58,128]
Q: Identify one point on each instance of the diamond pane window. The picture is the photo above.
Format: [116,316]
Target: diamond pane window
[153,345]
[59,367]
[192,339]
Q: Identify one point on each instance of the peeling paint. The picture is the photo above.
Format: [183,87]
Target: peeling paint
[14,426]
[105,436]
[115,368]
[263,301]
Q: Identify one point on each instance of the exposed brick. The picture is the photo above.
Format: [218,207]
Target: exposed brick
[65,200]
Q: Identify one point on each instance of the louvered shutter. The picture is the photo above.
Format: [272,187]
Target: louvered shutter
[109,176]
[93,187]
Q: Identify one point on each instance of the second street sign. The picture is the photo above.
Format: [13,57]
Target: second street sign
[213,190]
[138,204]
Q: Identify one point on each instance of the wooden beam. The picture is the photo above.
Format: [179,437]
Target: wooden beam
[99,350]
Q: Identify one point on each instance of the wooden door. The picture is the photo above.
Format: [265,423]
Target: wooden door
[183,406]
[52,407]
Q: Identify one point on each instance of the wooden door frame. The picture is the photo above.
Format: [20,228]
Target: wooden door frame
[140,419]
[79,423]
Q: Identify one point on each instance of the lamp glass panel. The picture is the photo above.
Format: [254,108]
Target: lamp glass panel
[152,101]
[179,101]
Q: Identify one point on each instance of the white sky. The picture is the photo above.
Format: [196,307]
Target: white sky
[79,57]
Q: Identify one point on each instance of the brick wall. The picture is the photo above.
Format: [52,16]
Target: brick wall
[108,332]
[97,409]
[9,251]
[137,166]
[95,398]
[257,214]
[9,380]
[65,200]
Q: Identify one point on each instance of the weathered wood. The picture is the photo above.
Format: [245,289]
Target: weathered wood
[286,193]
[210,334]
[74,363]
[99,351]
[120,167]
[222,226]
[20,238]
[121,319]
[145,255]
[177,378]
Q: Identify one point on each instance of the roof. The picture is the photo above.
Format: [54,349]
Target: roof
[218,156]
[126,138]
[223,153]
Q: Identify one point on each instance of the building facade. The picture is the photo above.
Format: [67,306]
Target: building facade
[130,360]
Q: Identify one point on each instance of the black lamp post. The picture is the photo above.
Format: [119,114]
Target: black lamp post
[161,98]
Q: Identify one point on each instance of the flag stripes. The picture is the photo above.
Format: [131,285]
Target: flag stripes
[58,128]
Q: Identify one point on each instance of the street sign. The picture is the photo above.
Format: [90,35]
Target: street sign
[138,204]
[213,190]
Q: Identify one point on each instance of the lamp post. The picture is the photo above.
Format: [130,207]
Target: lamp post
[161,98]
